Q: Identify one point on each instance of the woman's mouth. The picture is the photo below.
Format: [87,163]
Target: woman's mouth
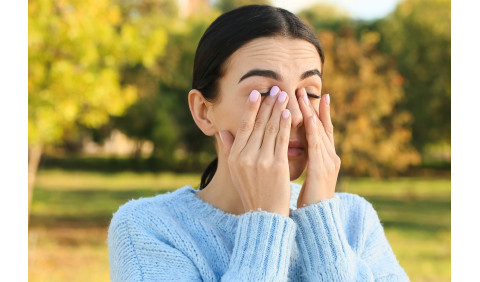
[295,148]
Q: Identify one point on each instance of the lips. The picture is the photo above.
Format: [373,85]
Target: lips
[295,144]
[295,148]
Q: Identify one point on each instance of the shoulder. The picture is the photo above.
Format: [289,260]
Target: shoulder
[145,213]
[352,200]
[357,212]
[353,204]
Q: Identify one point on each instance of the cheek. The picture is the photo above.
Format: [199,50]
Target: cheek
[228,118]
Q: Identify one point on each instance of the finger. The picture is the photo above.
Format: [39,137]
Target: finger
[227,140]
[309,112]
[263,117]
[329,147]
[324,114]
[307,109]
[246,124]
[273,125]
[283,136]
[316,137]
[314,141]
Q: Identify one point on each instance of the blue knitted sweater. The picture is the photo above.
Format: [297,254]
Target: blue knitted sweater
[179,237]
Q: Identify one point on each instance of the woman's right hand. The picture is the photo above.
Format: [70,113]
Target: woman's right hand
[258,155]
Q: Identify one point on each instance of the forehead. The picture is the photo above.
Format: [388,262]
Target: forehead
[277,53]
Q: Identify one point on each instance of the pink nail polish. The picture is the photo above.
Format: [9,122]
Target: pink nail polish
[274,90]
[282,96]
[327,96]
[254,96]
[285,113]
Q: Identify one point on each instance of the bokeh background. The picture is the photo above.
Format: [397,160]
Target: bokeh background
[108,119]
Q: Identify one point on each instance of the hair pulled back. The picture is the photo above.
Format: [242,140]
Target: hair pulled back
[228,33]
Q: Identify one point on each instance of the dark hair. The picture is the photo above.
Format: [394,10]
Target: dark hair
[228,33]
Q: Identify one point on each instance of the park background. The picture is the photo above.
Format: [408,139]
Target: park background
[109,121]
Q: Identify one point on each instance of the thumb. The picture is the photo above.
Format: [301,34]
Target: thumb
[227,140]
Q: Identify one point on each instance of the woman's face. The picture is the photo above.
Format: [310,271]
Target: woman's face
[293,64]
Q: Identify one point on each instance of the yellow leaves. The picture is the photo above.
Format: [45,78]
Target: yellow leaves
[155,46]
[372,135]
[370,38]
[77,49]
[129,94]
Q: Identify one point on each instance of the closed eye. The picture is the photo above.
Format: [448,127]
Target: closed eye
[308,94]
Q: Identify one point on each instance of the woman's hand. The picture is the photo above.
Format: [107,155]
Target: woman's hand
[258,155]
[323,162]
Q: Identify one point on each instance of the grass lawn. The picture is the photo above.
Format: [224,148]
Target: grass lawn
[71,212]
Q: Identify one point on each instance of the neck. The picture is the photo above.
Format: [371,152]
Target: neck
[220,191]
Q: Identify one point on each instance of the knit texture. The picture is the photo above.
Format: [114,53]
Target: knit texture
[178,237]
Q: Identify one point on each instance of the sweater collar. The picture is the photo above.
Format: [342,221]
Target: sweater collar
[205,211]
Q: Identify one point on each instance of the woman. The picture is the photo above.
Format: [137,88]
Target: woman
[256,87]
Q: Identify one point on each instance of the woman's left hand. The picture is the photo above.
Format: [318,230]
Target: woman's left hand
[323,161]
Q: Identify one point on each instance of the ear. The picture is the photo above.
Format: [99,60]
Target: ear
[200,108]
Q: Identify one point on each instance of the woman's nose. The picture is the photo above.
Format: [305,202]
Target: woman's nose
[294,108]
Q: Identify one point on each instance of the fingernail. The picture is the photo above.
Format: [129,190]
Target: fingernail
[254,96]
[305,99]
[282,96]
[285,113]
[327,96]
[221,138]
[274,90]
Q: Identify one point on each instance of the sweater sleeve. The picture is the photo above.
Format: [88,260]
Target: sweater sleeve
[263,245]
[261,252]
[327,255]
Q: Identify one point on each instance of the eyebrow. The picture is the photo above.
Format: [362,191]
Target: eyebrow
[276,76]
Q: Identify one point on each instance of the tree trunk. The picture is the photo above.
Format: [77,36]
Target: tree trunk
[34,155]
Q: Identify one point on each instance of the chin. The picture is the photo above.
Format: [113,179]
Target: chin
[297,167]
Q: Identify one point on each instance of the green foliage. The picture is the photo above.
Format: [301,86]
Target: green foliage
[76,51]
[161,114]
[418,34]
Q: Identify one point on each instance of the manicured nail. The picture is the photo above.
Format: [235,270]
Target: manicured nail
[282,96]
[327,96]
[305,99]
[285,113]
[274,90]
[254,96]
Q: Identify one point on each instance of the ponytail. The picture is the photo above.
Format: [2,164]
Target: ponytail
[208,173]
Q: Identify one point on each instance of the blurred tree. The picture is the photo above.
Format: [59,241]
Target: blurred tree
[76,49]
[325,16]
[372,133]
[417,33]
[161,113]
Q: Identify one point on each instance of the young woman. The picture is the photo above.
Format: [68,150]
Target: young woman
[257,84]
